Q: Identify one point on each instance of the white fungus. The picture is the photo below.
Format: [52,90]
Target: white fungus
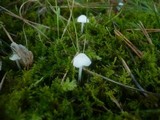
[82,19]
[79,61]
[21,54]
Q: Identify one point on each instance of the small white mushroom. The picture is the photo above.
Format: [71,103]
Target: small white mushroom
[21,54]
[82,19]
[14,57]
[119,6]
[79,61]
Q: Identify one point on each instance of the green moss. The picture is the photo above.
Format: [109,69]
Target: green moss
[49,90]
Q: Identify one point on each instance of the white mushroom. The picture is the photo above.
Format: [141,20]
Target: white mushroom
[82,19]
[119,6]
[79,61]
[14,57]
[21,54]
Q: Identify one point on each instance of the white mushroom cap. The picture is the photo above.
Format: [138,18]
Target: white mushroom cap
[81,60]
[120,4]
[82,19]
[14,57]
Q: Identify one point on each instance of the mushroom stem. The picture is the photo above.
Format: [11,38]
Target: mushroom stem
[17,62]
[80,74]
[82,26]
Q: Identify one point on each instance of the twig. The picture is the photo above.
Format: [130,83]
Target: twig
[64,76]
[148,30]
[32,24]
[10,38]
[145,32]
[118,83]
[132,76]
[133,47]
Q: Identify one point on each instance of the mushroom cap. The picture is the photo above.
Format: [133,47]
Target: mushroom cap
[120,4]
[81,60]
[14,57]
[82,19]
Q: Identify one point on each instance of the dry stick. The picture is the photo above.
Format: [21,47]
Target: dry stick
[145,32]
[132,76]
[64,77]
[26,21]
[10,38]
[23,19]
[148,30]
[133,47]
[118,83]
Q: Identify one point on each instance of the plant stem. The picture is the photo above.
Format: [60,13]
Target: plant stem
[80,74]
[82,26]
[2,81]
[17,62]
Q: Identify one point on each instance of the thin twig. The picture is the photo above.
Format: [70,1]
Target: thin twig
[64,76]
[118,83]
[32,24]
[10,38]
[145,32]
[132,76]
[130,44]
[148,30]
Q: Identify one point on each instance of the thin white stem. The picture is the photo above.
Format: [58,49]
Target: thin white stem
[17,62]
[2,81]
[80,74]
[82,26]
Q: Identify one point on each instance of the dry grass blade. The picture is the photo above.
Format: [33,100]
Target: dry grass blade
[2,81]
[145,32]
[110,80]
[90,5]
[120,84]
[133,47]
[23,19]
[10,38]
[132,76]
[64,77]
[30,23]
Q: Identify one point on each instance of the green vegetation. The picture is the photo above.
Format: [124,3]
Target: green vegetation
[123,45]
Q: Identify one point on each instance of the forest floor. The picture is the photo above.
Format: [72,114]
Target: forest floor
[39,43]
